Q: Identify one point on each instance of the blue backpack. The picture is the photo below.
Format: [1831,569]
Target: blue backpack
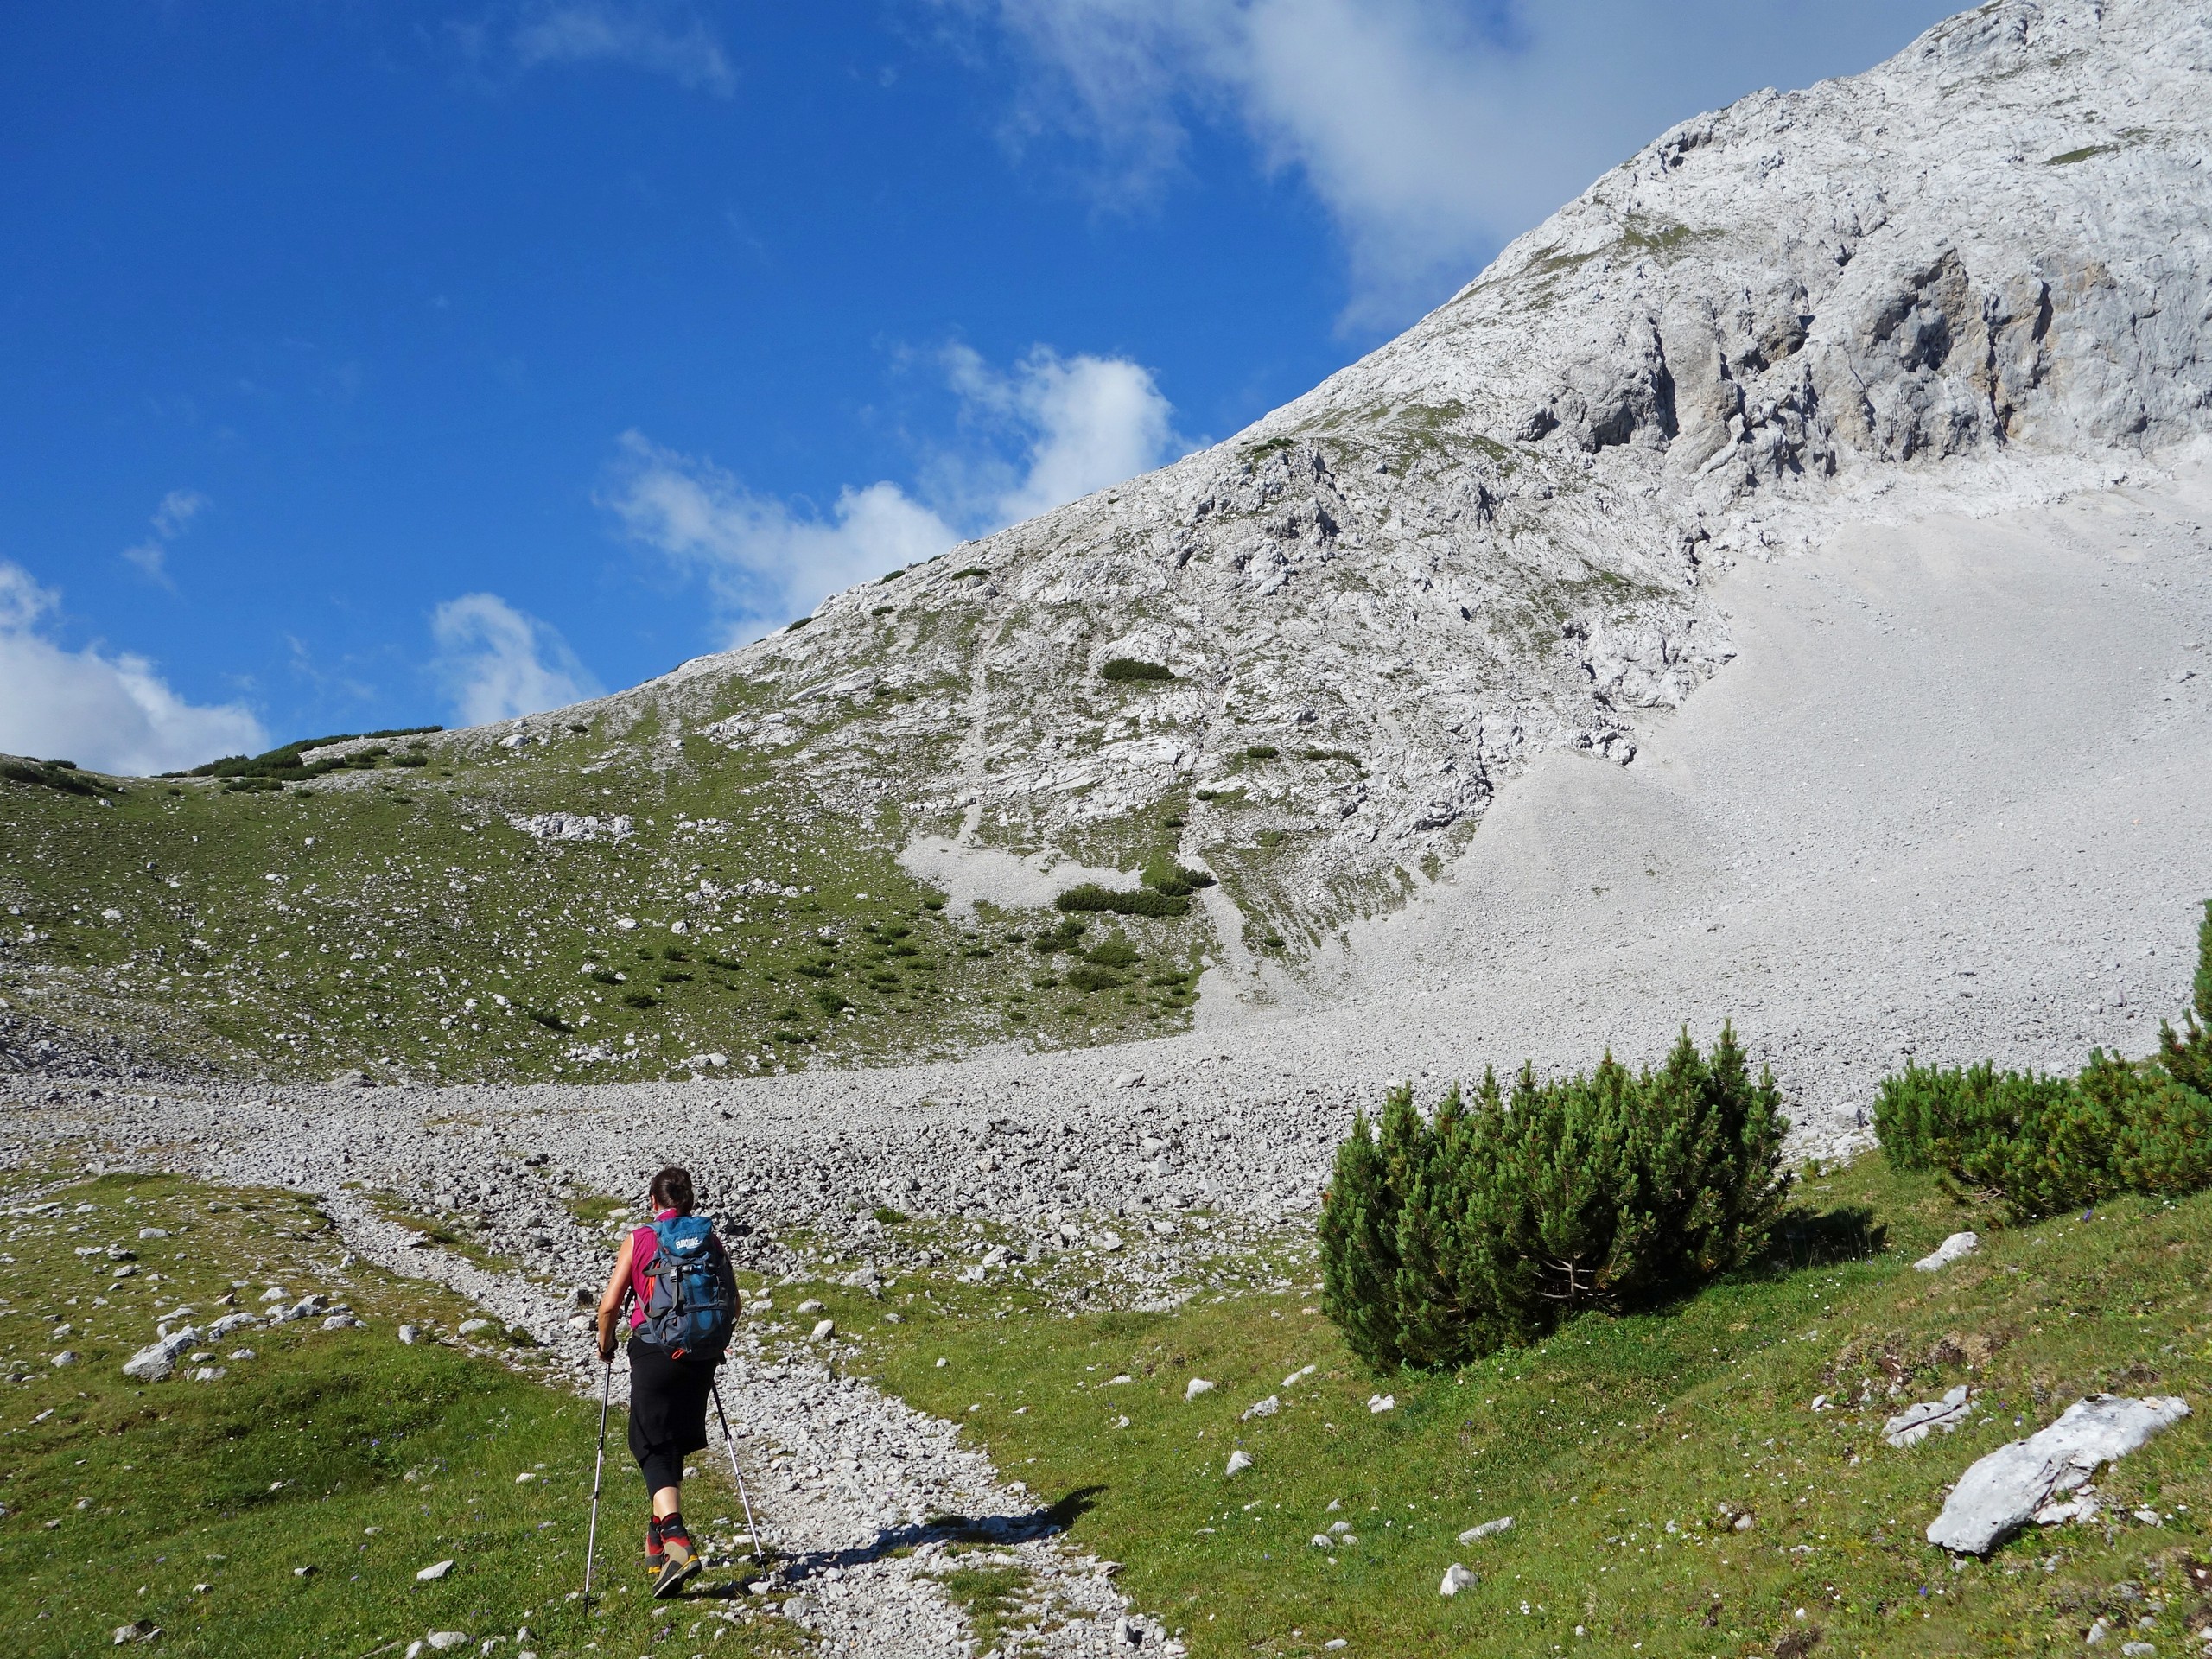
[693,1304]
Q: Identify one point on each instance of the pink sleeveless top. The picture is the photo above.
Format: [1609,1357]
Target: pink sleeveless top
[645,1244]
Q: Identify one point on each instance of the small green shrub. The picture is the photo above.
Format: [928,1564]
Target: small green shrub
[884,610]
[639,1000]
[1163,875]
[546,1018]
[606,976]
[1134,668]
[2042,1144]
[972,570]
[1444,1240]
[891,576]
[410,759]
[730,963]
[1139,901]
[795,626]
[1087,980]
[52,774]
[285,764]
[1113,952]
[1062,938]
[1262,752]
[828,1000]
[888,1217]
[674,976]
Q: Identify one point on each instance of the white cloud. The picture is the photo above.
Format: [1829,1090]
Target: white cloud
[763,560]
[1076,424]
[496,662]
[170,520]
[662,39]
[113,714]
[178,508]
[1433,130]
[1084,422]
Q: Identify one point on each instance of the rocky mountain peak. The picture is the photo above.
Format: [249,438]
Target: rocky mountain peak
[1978,269]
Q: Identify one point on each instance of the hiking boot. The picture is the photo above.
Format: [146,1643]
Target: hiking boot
[683,1560]
[656,1556]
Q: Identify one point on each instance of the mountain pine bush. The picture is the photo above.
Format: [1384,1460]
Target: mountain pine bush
[2039,1145]
[1489,1223]
[1139,901]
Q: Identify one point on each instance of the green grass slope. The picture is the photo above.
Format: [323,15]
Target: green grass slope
[193,1507]
[392,917]
[1626,1450]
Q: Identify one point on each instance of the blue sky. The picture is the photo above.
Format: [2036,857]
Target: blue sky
[368,365]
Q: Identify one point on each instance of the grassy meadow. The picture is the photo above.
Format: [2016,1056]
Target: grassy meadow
[1628,1450]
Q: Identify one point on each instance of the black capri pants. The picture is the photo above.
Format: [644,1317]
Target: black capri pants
[668,1412]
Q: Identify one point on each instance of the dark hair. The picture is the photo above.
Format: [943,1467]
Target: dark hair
[672,1190]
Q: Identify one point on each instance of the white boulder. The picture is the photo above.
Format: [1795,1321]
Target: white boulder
[2002,1491]
[1910,1426]
[157,1359]
[1957,1245]
[1456,1579]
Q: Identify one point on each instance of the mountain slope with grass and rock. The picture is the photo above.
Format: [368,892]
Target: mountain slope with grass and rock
[1303,663]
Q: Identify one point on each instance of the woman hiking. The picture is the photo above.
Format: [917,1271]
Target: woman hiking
[683,1296]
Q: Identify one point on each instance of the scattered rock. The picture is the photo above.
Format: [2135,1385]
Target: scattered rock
[141,1630]
[67,1356]
[823,1330]
[157,1359]
[1957,1245]
[1267,1407]
[1195,1387]
[1382,1403]
[812,1305]
[2000,1493]
[408,1336]
[1239,1461]
[443,1641]
[434,1571]
[470,1327]
[1488,1529]
[1456,1579]
[1910,1426]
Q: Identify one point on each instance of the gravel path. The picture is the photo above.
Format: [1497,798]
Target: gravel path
[1954,798]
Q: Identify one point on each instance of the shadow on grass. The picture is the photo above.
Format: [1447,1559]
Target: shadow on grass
[1020,1529]
[1820,1238]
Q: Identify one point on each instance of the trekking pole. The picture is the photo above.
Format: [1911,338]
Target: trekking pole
[599,1468]
[759,1556]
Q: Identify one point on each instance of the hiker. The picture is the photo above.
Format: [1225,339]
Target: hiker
[683,1296]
